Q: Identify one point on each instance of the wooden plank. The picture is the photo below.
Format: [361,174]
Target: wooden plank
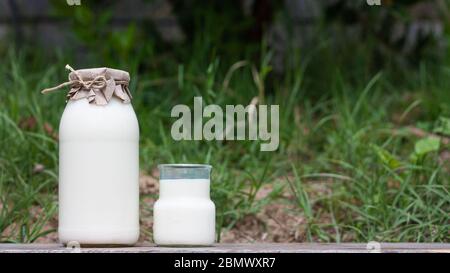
[237,248]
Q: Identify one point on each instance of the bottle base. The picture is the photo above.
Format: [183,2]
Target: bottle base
[93,238]
[185,245]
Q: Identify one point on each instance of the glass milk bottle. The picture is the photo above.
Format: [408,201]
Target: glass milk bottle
[98,160]
[184,213]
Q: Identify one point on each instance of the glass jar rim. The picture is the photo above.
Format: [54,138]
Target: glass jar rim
[185,166]
[184,171]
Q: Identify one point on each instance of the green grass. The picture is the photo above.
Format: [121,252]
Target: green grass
[350,136]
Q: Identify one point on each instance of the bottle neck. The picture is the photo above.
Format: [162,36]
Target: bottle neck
[184,188]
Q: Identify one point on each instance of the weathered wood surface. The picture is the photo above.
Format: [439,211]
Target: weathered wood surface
[237,248]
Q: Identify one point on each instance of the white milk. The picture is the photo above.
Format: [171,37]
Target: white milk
[99,173]
[184,213]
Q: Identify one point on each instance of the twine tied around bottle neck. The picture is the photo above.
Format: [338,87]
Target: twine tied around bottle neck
[98,85]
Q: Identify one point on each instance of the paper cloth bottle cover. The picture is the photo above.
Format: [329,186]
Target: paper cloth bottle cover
[97,85]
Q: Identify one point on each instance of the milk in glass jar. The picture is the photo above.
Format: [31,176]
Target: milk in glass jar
[98,160]
[184,214]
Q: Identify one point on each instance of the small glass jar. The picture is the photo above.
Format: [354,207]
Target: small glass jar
[184,214]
